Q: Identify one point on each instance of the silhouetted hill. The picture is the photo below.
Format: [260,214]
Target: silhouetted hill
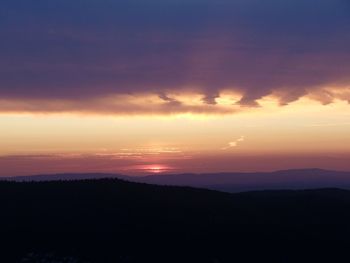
[228,182]
[64,177]
[112,220]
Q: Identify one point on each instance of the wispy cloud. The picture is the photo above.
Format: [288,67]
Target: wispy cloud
[234,143]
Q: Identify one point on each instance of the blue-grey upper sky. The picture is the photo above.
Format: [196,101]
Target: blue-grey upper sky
[81,49]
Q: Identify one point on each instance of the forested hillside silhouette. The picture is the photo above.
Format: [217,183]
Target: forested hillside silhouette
[111,220]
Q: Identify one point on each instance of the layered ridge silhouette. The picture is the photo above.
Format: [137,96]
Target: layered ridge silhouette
[110,220]
[228,182]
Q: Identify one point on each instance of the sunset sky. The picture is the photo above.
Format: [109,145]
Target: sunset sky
[138,87]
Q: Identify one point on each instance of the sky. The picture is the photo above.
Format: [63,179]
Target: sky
[137,87]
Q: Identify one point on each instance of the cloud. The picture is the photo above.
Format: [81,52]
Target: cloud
[83,51]
[138,104]
[234,144]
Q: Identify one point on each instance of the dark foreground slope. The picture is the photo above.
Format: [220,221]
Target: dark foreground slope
[116,221]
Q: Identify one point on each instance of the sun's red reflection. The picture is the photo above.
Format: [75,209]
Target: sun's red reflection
[151,168]
[156,168]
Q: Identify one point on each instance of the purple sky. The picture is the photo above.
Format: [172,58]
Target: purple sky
[79,50]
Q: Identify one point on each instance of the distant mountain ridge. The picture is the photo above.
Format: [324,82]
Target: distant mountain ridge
[228,182]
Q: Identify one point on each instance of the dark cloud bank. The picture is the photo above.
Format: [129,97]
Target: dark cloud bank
[80,50]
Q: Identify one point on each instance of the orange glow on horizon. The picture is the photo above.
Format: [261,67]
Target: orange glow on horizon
[151,143]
